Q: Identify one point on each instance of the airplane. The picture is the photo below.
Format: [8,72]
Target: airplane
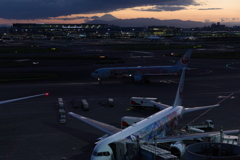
[156,125]
[142,73]
[188,38]
[6,40]
[156,38]
[22,98]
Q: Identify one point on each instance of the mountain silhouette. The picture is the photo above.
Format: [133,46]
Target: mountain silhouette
[107,17]
[140,22]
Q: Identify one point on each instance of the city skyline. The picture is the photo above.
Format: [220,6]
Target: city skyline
[81,11]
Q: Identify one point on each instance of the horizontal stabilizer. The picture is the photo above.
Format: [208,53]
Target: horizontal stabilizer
[18,99]
[188,110]
[99,125]
[193,136]
[160,105]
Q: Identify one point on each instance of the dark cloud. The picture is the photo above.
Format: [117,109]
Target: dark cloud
[207,21]
[209,8]
[162,8]
[225,19]
[70,18]
[42,9]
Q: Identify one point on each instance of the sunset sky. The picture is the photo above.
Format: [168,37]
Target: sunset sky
[80,11]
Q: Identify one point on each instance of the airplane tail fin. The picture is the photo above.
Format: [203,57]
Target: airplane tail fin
[183,62]
[179,94]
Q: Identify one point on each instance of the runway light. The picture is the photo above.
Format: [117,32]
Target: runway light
[46,94]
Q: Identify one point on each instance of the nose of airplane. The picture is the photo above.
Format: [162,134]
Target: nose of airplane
[93,74]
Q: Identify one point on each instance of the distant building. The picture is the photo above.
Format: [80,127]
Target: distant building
[55,29]
[62,31]
[77,30]
[4,31]
[162,30]
[218,26]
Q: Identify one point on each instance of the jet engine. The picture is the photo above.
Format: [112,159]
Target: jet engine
[178,149]
[137,78]
[100,138]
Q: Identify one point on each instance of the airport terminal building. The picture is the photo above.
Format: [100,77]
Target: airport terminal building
[91,30]
[78,30]
[62,31]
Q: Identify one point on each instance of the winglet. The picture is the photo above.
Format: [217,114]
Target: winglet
[179,94]
[183,62]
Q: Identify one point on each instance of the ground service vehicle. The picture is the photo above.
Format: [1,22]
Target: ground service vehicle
[60,103]
[209,125]
[110,102]
[85,105]
[142,102]
[62,120]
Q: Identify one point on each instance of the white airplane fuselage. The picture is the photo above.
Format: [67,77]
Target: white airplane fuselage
[157,124]
[140,73]
[134,71]
[156,38]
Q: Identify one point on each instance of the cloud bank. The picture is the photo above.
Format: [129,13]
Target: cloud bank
[210,8]
[161,8]
[44,9]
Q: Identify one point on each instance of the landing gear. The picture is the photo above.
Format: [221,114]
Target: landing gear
[99,81]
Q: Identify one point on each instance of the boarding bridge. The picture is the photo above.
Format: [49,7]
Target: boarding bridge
[127,149]
[223,138]
[149,152]
[229,139]
[124,149]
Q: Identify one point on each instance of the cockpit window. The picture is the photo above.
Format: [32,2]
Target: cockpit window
[106,153]
[94,153]
[100,153]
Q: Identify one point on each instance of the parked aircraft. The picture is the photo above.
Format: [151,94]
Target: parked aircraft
[158,124]
[6,40]
[18,99]
[155,38]
[188,38]
[143,73]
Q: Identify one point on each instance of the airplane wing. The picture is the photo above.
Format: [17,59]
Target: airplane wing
[188,110]
[18,99]
[192,136]
[99,125]
[160,105]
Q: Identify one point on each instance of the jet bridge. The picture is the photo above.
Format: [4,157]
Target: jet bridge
[127,149]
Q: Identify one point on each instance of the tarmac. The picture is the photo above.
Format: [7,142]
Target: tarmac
[30,129]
